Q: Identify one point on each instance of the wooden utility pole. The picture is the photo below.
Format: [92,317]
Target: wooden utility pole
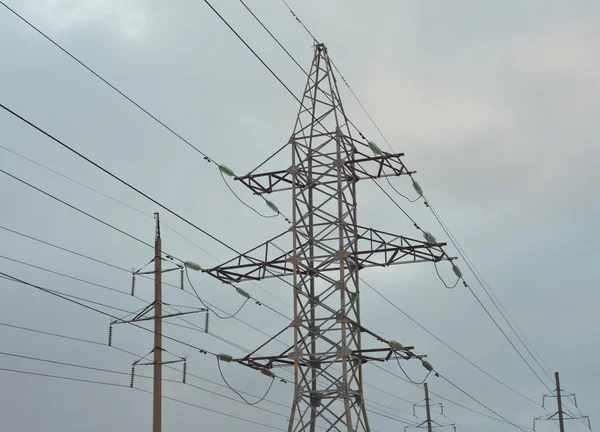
[428,410]
[558,398]
[157,390]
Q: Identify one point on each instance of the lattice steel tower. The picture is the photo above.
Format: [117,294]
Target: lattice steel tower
[328,250]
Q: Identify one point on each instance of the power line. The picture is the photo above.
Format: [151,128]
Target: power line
[112,226]
[140,390]
[130,353]
[67,298]
[71,149]
[190,374]
[487,290]
[75,208]
[442,397]
[111,371]
[63,377]
[132,208]
[121,181]
[480,403]
[136,104]
[507,338]
[273,36]
[64,249]
[148,377]
[300,22]
[71,299]
[108,83]
[125,270]
[106,196]
[66,275]
[121,269]
[445,344]
[193,328]
[103,370]
[197,328]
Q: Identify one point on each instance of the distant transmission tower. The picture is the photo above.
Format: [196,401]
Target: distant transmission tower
[328,248]
[429,423]
[561,415]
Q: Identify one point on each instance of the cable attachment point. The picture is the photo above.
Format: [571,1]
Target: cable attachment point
[429,238]
[457,271]
[417,188]
[267,372]
[192,265]
[226,170]
[396,346]
[224,358]
[272,206]
[242,292]
[374,148]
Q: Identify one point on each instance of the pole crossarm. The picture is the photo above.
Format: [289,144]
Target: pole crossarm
[364,167]
[375,249]
[435,425]
[140,316]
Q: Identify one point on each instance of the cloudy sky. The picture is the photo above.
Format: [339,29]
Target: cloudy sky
[495,105]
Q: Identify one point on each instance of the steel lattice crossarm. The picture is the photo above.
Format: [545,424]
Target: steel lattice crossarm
[375,249]
[364,167]
[288,357]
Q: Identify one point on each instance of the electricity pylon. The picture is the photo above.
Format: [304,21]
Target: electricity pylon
[429,422]
[328,249]
[561,415]
[157,317]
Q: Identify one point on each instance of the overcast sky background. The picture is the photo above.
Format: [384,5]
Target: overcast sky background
[494,103]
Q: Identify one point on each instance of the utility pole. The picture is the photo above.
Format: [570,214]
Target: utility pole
[427,408]
[559,399]
[559,394]
[158,316]
[322,253]
[157,390]
[429,421]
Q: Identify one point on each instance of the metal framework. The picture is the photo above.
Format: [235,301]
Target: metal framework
[561,415]
[429,423]
[328,249]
